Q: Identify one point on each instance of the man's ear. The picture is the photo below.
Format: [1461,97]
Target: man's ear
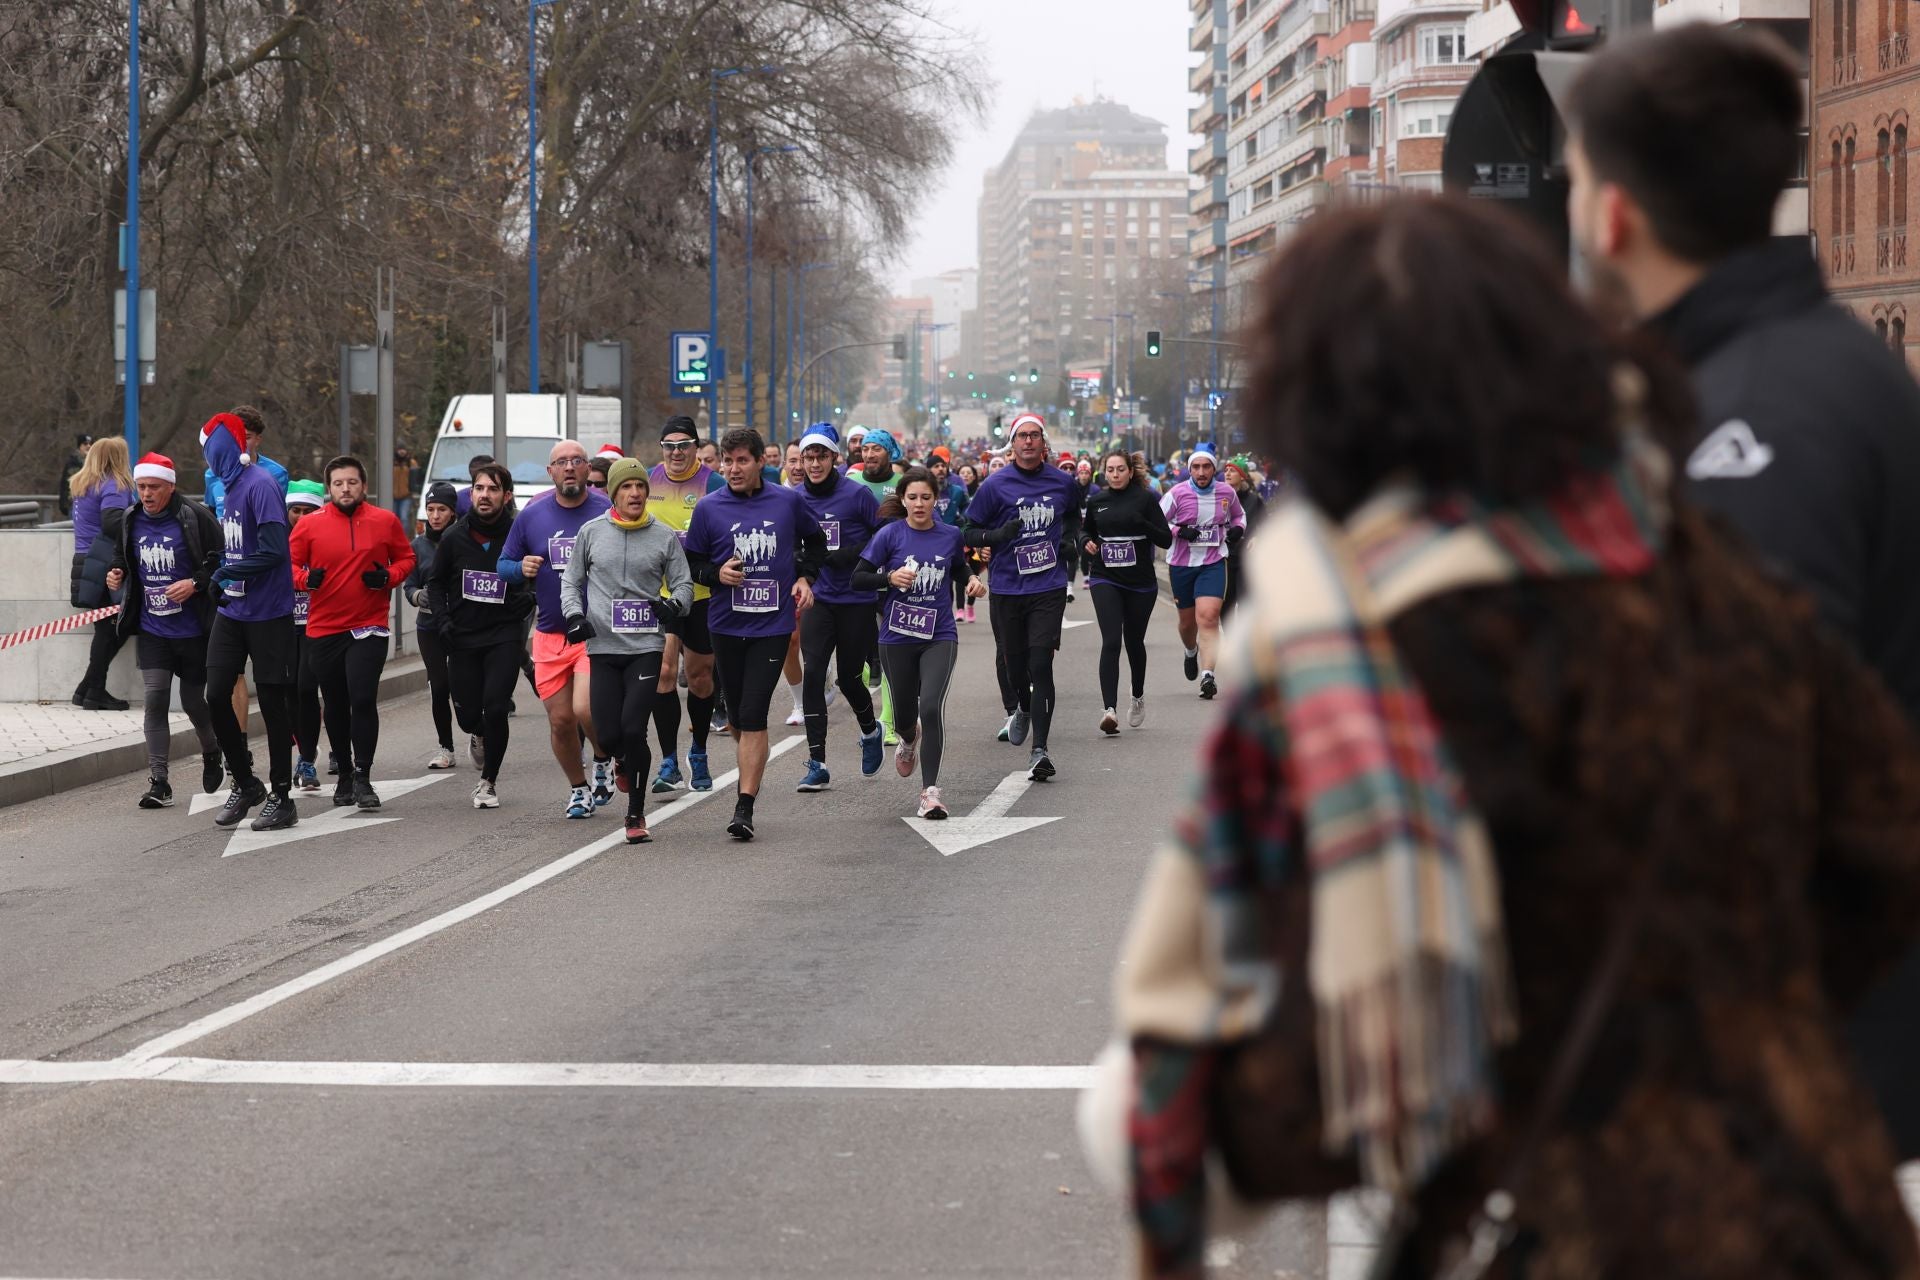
[1621,223]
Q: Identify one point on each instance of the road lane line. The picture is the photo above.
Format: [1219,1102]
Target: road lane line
[551,1075]
[223,1018]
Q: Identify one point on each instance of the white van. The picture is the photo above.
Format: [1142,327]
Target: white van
[534,422]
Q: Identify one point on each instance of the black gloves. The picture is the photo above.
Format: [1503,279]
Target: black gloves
[1188,532]
[667,608]
[1235,536]
[315,576]
[579,630]
[376,578]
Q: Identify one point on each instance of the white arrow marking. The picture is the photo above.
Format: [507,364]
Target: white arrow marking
[987,822]
[334,821]
[1068,626]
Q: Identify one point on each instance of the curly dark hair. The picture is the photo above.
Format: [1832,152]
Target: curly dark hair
[1437,339]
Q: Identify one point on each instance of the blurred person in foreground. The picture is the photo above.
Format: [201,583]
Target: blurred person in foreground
[1453,912]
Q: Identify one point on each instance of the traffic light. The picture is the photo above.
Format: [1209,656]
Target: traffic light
[969,375]
[1153,343]
[949,374]
[1012,378]
[1033,375]
[899,347]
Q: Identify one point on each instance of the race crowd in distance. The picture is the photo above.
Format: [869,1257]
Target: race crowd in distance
[632,598]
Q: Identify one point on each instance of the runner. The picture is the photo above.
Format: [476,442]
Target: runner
[625,584]
[597,467]
[1123,524]
[1028,578]
[350,556]
[304,497]
[254,623]
[1208,524]
[169,546]
[756,545]
[916,561]
[840,629]
[537,548]
[878,456]
[437,512]
[478,614]
[674,488]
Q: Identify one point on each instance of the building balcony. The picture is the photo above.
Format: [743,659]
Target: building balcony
[1721,12]
[1304,88]
[1208,154]
[1204,36]
[1206,236]
[1301,201]
[1895,52]
[1215,107]
[1207,195]
[1488,31]
[1391,13]
[1406,75]
[1201,78]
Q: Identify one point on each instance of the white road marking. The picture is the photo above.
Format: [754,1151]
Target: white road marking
[223,1018]
[1068,626]
[549,1075]
[987,822]
[332,821]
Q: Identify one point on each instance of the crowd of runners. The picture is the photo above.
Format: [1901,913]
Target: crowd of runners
[632,599]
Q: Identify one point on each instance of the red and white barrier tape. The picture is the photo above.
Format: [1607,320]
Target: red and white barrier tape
[59,625]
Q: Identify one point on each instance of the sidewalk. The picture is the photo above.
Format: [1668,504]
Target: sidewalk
[47,748]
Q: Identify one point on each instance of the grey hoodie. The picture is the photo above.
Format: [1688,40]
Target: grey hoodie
[611,567]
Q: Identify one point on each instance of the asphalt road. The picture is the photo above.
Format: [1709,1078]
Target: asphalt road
[448,1042]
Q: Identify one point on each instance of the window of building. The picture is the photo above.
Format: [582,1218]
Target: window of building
[1900,175]
[1252,151]
[1263,193]
[1425,119]
[1443,46]
[1882,180]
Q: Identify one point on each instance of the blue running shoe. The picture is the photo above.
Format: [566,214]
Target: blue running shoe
[817,778]
[305,776]
[872,752]
[668,780]
[697,765]
[602,783]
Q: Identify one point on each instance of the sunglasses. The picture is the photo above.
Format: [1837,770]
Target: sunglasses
[596,484]
[678,446]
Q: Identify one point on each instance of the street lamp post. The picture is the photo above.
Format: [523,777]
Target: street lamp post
[713,225]
[131,416]
[746,368]
[533,196]
[799,341]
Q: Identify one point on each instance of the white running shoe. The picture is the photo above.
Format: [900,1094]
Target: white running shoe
[832,692]
[476,751]
[484,796]
[441,759]
[798,717]
[930,806]
[1109,723]
[1137,713]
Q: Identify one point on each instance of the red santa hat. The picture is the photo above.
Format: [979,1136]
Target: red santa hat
[231,424]
[154,466]
[611,452]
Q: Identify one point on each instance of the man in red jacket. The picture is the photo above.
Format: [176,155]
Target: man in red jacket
[350,555]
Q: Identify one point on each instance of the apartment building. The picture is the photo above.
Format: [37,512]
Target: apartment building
[1421,64]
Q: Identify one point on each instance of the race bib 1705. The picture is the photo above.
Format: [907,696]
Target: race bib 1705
[757,595]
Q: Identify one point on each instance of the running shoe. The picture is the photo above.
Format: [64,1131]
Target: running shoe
[441,759]
[239,800]
[904,756]
[719,716]
[212,772]
[796,717]
[333,764]
[621,782]
[832,693]
[930,806]
[817,779]
[1208,686]
[277,814]
[1109,723]
[1069,591]
[159,795]
[603,772]
[579,802]
[890,738]
[668,780]
[1017,725]
[343,792]
[101,700]
[637,832]
[1191,664]
[872,751]
[1040,765]
[364,796]
[741,828]
[476,751]
[1137,713]
[305,776]
[697,766]
[1006,731]
[484,796]
[969,611]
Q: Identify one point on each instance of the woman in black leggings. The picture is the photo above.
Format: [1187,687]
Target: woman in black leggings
[1123,524]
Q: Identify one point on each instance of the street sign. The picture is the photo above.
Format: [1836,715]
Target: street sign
[692,363]
[149,326]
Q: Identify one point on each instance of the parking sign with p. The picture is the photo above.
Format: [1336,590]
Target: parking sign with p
[692,363]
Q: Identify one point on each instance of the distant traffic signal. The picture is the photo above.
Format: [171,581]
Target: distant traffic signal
[1033,375]
[1153,343]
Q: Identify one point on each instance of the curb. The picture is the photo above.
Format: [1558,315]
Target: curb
[82,766]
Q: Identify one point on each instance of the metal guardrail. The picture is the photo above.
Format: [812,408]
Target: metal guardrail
[40,508]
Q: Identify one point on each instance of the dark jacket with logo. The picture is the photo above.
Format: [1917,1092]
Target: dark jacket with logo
[1809,445]
[205,544]
[464,623]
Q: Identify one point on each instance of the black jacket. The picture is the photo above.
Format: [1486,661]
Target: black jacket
[464,623]
[90,566]
[205,545]
[425,547]
[1132,512]
[1809,445]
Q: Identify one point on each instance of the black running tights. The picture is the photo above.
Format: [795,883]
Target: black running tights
[1123,617]
[434,655]
[850,631]
[483,681]
[625,687]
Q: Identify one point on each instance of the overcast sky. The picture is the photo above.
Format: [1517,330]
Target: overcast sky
[1045,53]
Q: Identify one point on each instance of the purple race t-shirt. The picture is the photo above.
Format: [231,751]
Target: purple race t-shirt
[159,560]
[763,531]
[923,611]
[848,516]
[545,528]
[254,500]
[1042,500]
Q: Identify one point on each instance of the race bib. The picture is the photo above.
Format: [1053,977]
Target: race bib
[1120,554]
[482,587]
[362,633]
[1035,557]
[757,595]
[559,551]
[158,606]
[1211,535]
[832,529]
[913,620]
[300,601]
[634,617]
[233,590]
